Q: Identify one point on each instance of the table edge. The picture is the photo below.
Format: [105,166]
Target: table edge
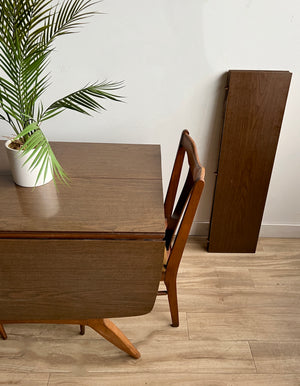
[82,235]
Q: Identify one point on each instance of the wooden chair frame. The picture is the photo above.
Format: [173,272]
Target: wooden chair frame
[2,332]
[185,210]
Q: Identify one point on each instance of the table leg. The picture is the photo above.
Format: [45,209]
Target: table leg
[2,332]
[113,334]
[104,327]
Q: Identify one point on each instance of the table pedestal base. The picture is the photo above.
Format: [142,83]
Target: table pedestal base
[104,327]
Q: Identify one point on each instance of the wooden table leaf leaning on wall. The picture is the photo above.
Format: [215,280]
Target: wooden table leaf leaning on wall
[88,252]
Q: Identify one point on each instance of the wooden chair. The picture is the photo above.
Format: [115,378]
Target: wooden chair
[184,211]
[2,332]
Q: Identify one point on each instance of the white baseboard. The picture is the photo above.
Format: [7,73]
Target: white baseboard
[267,230]
[280,230]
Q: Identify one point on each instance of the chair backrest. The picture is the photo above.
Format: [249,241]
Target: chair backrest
[187,203]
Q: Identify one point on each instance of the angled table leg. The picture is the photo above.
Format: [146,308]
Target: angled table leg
[104,327]
[113,334]
[2,332]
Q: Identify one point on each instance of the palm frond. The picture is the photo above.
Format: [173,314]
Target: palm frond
[41,153]
[84,100]
[67,18]
[28,29]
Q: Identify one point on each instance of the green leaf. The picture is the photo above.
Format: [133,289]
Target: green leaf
[67,18]
[41,153]
[84,99]
[28,29]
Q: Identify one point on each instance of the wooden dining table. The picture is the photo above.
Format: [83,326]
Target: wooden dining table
[89,251]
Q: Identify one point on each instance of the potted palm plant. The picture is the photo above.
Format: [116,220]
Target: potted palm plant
[28,29]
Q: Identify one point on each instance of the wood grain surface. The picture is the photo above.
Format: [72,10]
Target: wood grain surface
[254,112]
[102,160]
[74,266]
[78,279]
[115,191]
[99,205]
[232,331]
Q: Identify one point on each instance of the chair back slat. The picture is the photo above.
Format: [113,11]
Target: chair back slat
[175,217]
[184,195]
[189,145]
[182,216]
[173,185]
[184,230]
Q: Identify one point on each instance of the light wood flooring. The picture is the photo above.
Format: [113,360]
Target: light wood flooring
[239,325]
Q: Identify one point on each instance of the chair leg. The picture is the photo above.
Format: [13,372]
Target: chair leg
[110,332]
[2,332]
[82,329]
[173,303]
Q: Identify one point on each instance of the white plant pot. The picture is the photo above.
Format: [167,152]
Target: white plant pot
[21,174]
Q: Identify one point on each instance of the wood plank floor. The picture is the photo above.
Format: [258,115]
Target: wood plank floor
[239,325]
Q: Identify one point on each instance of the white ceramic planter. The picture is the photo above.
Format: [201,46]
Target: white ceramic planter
[21,174]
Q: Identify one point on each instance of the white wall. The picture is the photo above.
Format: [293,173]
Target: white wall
[172,55]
